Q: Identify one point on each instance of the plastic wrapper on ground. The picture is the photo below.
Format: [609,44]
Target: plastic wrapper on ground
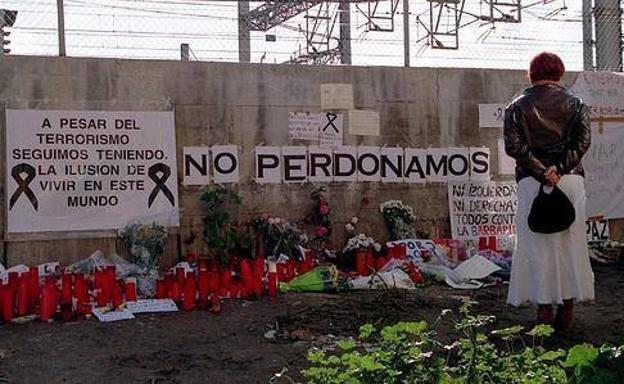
[320,279]
[393,279]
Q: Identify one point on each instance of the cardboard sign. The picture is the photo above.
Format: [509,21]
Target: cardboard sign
[89,170]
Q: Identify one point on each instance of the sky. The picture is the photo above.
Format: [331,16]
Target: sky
[155,29]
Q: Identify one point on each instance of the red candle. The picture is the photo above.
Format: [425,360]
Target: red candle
[13,279]
[204,286]
[203,264]
[282,275]
[168,284]
[23,295]
[190,292]
[66,293]
[48,300]
[131,294]
[81,291]
[34,287]
[492,244]
[360,262]
[176,291]
[213,281]
[290,265]
[482,243]
[391,252]
[247,277]
[180,275]
[117,294]
[258,276]
[110,283]
[101,288]
[402,251]
[380,262]
[7,296]
[226,277]
[161,289]
[370,261]
[272,284]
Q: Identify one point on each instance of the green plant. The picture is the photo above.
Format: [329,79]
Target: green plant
[219,233]
[410,353]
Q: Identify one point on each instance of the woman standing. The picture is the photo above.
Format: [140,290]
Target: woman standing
[547,132]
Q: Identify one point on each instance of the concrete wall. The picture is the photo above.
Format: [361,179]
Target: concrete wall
[248,105]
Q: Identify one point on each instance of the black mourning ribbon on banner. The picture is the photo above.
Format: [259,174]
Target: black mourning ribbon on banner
[159,173]
[23,184]
[331,117]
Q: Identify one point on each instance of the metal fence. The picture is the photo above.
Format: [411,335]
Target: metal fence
[432,33]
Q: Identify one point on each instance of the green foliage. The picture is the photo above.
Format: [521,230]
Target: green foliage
[409,353]
[219,233]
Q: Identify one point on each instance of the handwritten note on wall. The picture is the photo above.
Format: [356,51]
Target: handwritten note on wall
[365,123]
[336,96]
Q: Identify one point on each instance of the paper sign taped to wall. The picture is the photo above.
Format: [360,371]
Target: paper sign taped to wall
[331,130]
[506,163]
[364,123]
[304,126]
[491,115]
[336,96]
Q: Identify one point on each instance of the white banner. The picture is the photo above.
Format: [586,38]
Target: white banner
[89,170]
[482,209]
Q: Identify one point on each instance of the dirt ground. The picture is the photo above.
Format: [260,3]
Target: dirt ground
[199,347]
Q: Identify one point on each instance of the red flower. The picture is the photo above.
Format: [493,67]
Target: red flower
[322,231]
[323,209]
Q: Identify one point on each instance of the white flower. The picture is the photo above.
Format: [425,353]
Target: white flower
[349,227]
[354,220]
[271,221]
[377,247]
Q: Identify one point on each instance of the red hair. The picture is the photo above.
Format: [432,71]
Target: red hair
[546,66]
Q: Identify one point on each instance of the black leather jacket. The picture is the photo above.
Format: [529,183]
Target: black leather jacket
[547,126]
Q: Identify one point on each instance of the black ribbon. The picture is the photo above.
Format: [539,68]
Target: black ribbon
[159,173]
[23,184]
[331,117]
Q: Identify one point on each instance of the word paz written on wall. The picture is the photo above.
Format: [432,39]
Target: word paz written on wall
[89,170]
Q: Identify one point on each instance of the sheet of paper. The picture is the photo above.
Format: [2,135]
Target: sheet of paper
[331,131]
[468,284]
[364,123]
[108,317]
[152,306]
[477,267]
[336,96]
[304,126]
[491,115]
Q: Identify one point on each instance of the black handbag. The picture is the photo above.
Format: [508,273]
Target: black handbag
[551,212]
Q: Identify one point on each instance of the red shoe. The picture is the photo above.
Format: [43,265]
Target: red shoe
[545,314]
[565,314]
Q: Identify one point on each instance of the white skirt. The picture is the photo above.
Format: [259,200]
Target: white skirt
[547,269]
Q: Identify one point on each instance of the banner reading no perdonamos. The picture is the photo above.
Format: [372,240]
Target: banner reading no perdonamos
[89,170]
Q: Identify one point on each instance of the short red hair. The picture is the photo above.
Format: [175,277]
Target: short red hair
[546,66]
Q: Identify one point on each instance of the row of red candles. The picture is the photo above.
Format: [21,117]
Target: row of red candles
[365,263]
[24,294]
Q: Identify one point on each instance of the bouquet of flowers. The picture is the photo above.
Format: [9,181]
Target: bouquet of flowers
[399,218]
[360,241]
[320,214]
[280,236]
[145,242]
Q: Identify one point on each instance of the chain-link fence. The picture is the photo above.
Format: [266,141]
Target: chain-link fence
[449,33]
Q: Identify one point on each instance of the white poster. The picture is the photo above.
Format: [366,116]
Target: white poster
[295,164]
[491,115]
[436,165]
[604,172]
[336,96]
[89,170]
[482,209]
[368,164]
[414,165]
[320,164]
[458,164]
[364,123]
[268,165]
[225,164]
[479,163]
[331,129]
[392,165]
[304,126]
[195,165]
[345,164]
[506,163]
[602,92]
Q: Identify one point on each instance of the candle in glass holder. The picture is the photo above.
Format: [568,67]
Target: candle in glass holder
[34,287]
[204,287]
[117,294]
[7,299]
[131,293]
[226,279]
[81,292]
[190,292]
[23,295]
[247,277]
[360,262]
[161,289]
